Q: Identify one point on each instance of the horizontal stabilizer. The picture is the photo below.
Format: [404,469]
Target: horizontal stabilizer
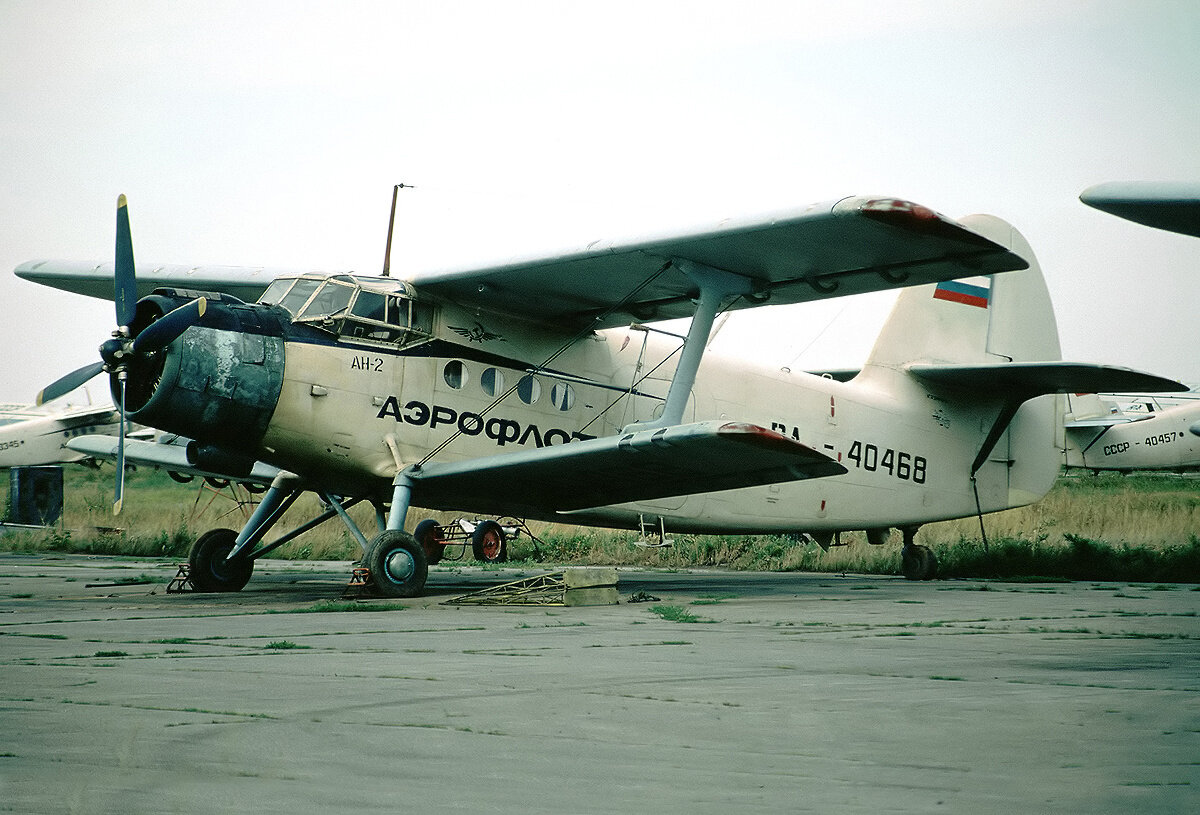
[171,457]
[1029,379]
[643,465]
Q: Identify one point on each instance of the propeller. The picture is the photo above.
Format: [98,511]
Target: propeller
[123,348]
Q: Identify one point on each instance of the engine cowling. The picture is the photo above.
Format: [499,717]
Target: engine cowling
[219,382]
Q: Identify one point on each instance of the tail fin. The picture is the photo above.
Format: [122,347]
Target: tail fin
[996,318]
[977,321]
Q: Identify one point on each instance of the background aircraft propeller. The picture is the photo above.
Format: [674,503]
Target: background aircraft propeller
[124,348]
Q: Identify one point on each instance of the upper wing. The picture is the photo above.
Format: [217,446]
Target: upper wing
[850,246]
[96,279]
[648,464]
[832,249]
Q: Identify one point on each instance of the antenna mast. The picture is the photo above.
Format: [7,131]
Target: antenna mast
[387,252]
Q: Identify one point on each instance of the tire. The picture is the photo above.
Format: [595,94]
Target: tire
[489,543]
[918,563]
[397,563]
[432,537]
[181,478]
[207,568]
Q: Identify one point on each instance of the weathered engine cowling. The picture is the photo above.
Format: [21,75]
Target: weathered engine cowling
[219,382]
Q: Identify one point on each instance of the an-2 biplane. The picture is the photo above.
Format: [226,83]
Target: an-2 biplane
[1159,440]
[535,388]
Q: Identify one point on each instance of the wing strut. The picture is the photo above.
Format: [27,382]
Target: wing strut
[716,286]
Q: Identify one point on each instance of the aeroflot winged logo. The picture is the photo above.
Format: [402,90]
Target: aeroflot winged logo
[476,333]
[971,291]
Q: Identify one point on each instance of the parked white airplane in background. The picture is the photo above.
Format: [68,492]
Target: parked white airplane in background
[523,389]
[1099,437]
[33,435]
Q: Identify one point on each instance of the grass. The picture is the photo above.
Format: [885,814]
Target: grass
[675,614]
[1109,527]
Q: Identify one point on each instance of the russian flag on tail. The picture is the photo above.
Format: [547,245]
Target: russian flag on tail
[971,291]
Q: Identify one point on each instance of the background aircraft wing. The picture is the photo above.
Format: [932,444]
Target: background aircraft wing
[171,457]
[644,465]
[1174,207]
[838,248]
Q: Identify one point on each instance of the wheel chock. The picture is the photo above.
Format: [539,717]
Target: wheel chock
[182,580]
[359,585]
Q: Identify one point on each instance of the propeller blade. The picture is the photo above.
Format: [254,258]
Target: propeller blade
[125,283]
[68,383]
[163,331]
[119,494]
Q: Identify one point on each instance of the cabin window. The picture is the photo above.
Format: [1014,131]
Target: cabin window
[562,396]
[492,381]
[529,389]
[455,374]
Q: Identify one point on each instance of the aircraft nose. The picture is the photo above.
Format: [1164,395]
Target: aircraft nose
[219,383]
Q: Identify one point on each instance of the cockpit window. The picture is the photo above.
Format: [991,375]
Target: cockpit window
[365,310]
[276,290]
[368,304]
[298,295]
[329,301]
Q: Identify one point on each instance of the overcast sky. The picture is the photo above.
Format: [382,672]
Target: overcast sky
[272,133]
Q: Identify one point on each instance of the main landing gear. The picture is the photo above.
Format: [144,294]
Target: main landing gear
[916,562]
[223,560]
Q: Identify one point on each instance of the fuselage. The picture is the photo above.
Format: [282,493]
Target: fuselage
[322,397]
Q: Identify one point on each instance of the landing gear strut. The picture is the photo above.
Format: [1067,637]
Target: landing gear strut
[916,562]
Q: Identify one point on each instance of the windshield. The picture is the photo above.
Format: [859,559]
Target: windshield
[332,298]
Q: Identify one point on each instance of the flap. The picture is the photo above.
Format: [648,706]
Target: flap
[644,465]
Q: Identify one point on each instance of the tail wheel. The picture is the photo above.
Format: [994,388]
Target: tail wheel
[209,570]
[397,563]
[489,543]
[918,563]
[432,537]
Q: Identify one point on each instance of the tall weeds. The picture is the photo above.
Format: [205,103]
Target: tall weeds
[1093,528]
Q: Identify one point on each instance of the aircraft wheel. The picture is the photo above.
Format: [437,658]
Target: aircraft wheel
[182,478]
[397,563]
[208,569]
[918,563]
[489,543]
[432,537]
